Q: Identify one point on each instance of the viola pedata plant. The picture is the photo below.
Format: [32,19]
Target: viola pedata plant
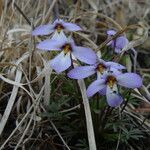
[109,73]
[105,77]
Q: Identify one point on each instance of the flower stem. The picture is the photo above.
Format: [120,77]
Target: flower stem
[126,102]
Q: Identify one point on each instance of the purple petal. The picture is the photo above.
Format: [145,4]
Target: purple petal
[95,86]
[113,97]
[43,30]
[129,80]
[115,71]
[115,65]
[84,54]
[71,26]
[49,45]
[61,62]
[111,32]
[102,91]
[81,72]
[121,42]
[117,50]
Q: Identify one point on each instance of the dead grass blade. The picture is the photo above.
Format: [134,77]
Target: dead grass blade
[89,123]
[10,102]
[47,84]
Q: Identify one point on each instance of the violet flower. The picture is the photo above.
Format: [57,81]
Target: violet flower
[57,28]
[109,82]
[100,67]
[68,51]
[119,43]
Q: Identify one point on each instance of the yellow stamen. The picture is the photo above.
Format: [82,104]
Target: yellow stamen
[111,80]
[66,48]
[59,27]
[101,68]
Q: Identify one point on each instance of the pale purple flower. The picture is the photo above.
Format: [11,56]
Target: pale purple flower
[100,67]
[119,43]
[111,32]
[57,28]
[109,84]
[68,51]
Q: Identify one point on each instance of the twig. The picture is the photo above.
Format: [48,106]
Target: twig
[126,102]
[59,135]
[21,12]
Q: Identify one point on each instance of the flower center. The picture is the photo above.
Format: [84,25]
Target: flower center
[101,68]
[59,27]
[66,48]
[111,80]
